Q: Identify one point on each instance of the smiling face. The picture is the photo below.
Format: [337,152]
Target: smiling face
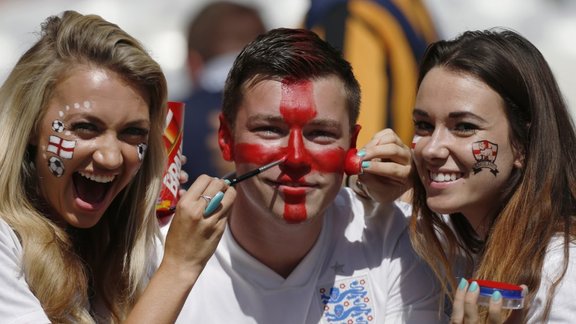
[307,124]
[90,144]
[462,147]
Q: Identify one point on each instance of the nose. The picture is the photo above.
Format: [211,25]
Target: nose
[296,153]
[436,147]
[108,153]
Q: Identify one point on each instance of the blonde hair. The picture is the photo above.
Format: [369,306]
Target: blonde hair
[112,260]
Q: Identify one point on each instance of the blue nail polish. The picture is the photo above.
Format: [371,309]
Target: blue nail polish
[214,203]
[361,153]
[496,296]
[365,164]
[473,286]
[462,284]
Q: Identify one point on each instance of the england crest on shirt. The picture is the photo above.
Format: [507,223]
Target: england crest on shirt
[348,301]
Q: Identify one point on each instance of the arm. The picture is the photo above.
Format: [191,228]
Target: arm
[190,242]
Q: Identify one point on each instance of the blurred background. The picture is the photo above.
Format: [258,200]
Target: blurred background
[383,40]
[161,26]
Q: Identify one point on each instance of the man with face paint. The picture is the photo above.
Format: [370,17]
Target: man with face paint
[299,248]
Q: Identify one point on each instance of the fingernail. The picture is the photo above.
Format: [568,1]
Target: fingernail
[473,286]
[227,182]
[361,153]
[462,284]
[214,203]
[365,164]
[496,296]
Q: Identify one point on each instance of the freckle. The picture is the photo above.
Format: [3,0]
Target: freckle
[86,104]
[61,113]
[67,133]
[76,105]
[67,107]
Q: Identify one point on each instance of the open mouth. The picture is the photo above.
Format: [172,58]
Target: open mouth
[92,188]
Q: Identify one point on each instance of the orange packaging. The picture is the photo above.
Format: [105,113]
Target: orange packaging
[172,136]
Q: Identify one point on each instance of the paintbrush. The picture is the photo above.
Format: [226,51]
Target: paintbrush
[250,174]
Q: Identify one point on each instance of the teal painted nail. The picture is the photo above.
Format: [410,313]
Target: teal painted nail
[214,203]
[361,153]
[365,164]
[462,284]
[496,296]
[473,286]
[227,182]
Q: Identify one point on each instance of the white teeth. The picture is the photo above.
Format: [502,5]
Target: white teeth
[97,178]
[444,177]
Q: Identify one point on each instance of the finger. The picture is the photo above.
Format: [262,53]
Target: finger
[389,170]
[471,303]
[495,308]
[389,152]
[183,177]
[458,303]
[384,136]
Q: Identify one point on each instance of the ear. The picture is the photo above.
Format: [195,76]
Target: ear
[519,158]
[354,135]
[225,139]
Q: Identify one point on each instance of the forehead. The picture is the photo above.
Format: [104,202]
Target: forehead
[96,89]
[444,92]
[326,96]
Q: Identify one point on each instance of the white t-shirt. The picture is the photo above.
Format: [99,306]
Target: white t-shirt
[362,269]
[563,308]
[17,303]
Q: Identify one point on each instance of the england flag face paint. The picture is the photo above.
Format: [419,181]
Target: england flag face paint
[91,142]
[305,122]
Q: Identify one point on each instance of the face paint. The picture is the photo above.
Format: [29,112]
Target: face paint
[297,108]
[58,126]
[485,153]
[141,148]
[61,147]
[56,166]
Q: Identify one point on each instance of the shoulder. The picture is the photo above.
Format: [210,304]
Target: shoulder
[563,307]
[18,304]
[8,238]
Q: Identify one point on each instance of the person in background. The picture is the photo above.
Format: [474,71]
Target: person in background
[216,35]
[299,248]
[383,40]
[495,188]
[81,161]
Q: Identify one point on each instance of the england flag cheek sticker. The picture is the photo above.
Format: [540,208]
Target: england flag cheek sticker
[61,147]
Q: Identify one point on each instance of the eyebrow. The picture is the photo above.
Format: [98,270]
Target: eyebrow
[328,123]
[452,115]
[93,119]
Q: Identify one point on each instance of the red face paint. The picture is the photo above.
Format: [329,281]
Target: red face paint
[297,108]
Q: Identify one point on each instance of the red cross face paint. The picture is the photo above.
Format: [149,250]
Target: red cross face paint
[90,144]
[307,124]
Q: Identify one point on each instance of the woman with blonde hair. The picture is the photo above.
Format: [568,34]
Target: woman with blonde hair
[81,161]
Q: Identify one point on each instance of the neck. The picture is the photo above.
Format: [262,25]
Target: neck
[276,244]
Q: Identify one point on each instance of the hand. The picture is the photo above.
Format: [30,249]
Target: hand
[192,238]
[183,176]
[387,165]
[465,306]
